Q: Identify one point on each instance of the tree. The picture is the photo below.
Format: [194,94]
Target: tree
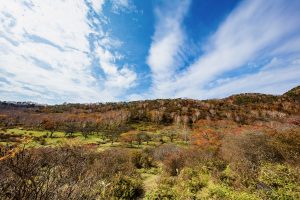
[113,130]
[207,138]
[139,138]
[70,128]
[49,125]
[142,136]
[146,137]
[3,124]
[171,132]
[185,133]
[87,128]
[156,116]
[129,137]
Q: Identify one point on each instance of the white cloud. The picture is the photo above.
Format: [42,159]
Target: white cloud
[122,5]
[248,34]
[97,4]
[270,80]
[167,44]
[117,79]
[45,54]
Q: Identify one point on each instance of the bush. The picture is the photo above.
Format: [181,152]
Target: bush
[112,162]
[173,164]
[124,187]
[161,152]
[172,157]
[281,181]
[218,192]
[195,179]
[228,177]
[142,159]
[161,193]
[190,182]
[205,158]
[40,140]
[287,142]
[164,190]
[246,152]
[222,192]
[68,173]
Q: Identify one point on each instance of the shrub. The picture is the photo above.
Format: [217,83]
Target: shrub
[207,158]
[195,179]
[124,187]
[114,161]
[173,164]
[216,192]
[161,152]
[142,160]
[40,140]
[228,177]
[164,190]
[287,142]
[190,182]
[246,152]
[161,193]
[67,173]
[222,192]
[282,181]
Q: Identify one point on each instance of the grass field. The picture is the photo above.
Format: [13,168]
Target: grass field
[40,138]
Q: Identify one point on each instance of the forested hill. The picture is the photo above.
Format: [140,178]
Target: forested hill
[242,108]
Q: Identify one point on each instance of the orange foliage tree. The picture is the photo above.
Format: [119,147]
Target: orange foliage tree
[129,137]
[207,138]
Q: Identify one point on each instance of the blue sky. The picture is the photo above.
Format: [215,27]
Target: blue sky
[54,51]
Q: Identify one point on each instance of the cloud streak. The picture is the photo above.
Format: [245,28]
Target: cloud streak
[46,56]
[249,34]
[49,55]
[167,44]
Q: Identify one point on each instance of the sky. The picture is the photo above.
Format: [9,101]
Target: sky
[86,51]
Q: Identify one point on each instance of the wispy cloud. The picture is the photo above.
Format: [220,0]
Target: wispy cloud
[53,51]
[168,42]
[46,54]
[122,5]
[277,77]
[97,4]
[254,31]
[117,79]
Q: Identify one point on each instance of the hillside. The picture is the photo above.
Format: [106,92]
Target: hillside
[245,147]
[243,108]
